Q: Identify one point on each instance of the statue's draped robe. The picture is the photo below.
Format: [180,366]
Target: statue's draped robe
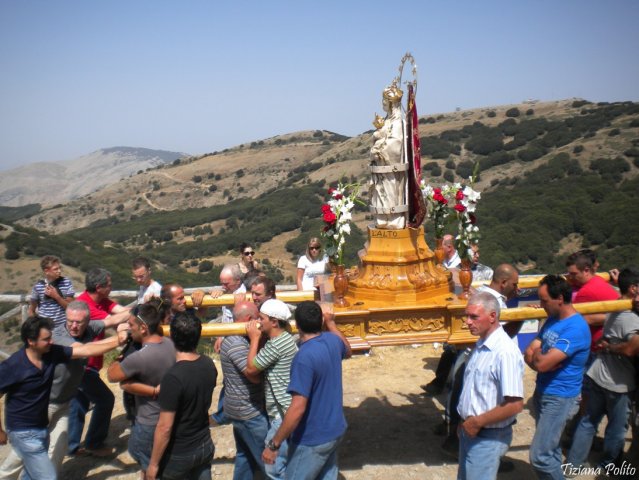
[388,183]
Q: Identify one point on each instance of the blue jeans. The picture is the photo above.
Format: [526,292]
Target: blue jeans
[220,417]
[92,390]
[141,444]
[601,401]
[32,447]
[479,456]
[276,470]
[195,465]
[313,462]
[551,414]
[249,442]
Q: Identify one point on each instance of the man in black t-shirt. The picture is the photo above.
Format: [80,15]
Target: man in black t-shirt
[182,446]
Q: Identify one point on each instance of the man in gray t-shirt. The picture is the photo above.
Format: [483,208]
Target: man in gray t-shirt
[141,373]
[612,378]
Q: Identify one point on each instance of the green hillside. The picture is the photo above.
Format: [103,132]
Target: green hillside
[550,184]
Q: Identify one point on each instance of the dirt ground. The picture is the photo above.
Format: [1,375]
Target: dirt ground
[389,426]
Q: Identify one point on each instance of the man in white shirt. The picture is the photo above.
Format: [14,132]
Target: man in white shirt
[141,273]
[493,392]
[451,256]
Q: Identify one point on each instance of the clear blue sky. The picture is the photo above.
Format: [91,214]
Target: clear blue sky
[198,76]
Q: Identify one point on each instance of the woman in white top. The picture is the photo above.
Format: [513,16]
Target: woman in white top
[311,264]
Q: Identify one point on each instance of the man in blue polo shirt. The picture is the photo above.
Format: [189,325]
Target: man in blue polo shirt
[316,417]
[559,355]
[26,377]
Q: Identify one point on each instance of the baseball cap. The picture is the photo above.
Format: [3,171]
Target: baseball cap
[276,309]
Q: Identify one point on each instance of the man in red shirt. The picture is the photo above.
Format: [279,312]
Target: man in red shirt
[581,267]
[589,287]
[93,389]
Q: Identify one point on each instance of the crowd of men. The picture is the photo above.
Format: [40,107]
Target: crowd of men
[282,394]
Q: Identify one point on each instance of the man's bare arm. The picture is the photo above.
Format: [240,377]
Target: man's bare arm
[160,442]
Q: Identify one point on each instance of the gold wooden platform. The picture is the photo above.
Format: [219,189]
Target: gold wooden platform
[407,325]
[401,296]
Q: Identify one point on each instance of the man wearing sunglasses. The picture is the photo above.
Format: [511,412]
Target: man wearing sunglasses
[145,368]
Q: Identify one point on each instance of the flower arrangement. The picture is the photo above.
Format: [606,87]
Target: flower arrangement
[336,213]
[438,208]
[465,205]
[465,200]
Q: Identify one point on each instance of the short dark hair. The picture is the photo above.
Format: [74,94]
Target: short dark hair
[48,260]
[628,276]
[185,332]
[243,245]
[557,286]
[96,277]
[269,285]
[308,317]
[582,259]
[30,329]
[150,313]
[141,262]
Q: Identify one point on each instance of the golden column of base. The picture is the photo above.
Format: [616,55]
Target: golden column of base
[398,268]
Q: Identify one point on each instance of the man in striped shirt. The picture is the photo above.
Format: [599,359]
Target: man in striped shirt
[493,392]
[275,360]
[51,295]
[244,398]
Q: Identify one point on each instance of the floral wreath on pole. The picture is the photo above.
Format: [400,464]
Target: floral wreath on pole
[336,213]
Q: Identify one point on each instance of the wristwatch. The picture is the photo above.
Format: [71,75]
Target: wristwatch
[271,446]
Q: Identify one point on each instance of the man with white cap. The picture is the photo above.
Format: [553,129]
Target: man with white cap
[275,360]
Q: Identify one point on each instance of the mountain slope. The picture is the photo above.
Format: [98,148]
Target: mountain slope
[50,183]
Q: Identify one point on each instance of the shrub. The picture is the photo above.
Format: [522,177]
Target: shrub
[450,163]
[11,254]
[212,188]
[610,167]
[449,176]
[512,112]
[632,152]
[634,123]
[239,173]
[531,153]
[530,111]
[423,120]
[579,103]
[205,266]
[197,178]
[430,165]
[464,169]
[578,149]
[318,134]
[491,114]
[614,132]
[436,171]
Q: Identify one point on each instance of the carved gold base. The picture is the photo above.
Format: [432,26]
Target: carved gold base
[398,268]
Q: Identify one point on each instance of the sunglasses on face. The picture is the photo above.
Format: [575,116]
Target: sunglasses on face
[314,248]
[248,252]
